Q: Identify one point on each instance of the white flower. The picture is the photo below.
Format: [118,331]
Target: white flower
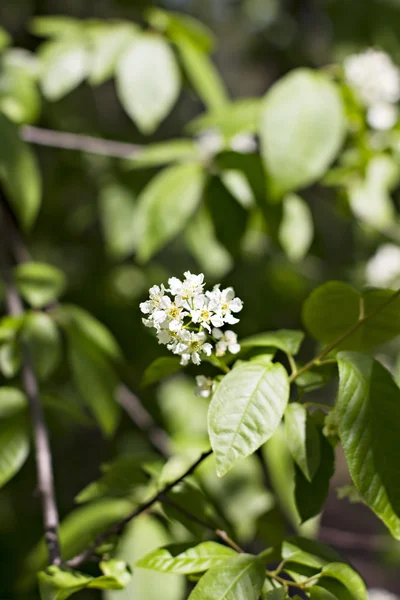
[204,386]
[382,116]
[157,300]
[191,345]
[383,269]
[243,143]
[227,341]
[187,289]
[378,594]
[223,303]
[210,143]
[373,76]
[201,312]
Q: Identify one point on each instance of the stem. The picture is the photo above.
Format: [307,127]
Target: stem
[292,364]
[119,527]
[44,469]
[363,319]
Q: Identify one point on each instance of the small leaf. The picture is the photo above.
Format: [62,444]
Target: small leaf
[166,204]
[19,173]
[5,38]
[369,410]
[302,130]
[311,496]
[44,341]
[162,153]
[178,24]
[55,26]
[107,44]
[202,74]
[39,283]
[287,340]
[245,410]
[14,447]
[239,577]
[65,64]
[303,439]
[348,577]
[19,94]
[319,593]
[160,368]
[174,559]
[148,81]
[239,116]
[10,358]
[309,553]
[117,206]
[12,401]
[296,231]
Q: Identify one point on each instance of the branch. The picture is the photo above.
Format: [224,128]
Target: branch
[352,540]
[75,141]
[44,469]
[119,527]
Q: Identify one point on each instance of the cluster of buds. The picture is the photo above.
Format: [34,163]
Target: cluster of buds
[188,319]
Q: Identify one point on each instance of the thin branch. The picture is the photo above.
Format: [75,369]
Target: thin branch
[119,527]
[44,468]
[352,540]
[143,419]
[74,141]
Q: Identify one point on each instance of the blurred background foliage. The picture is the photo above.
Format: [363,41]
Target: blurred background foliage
[86,226]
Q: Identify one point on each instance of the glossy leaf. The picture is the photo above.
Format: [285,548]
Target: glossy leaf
[245,410]
[309,553]
[369,411]
[65,64]
[296,231]
[14,447]
[174,559]
[303,439]
[166,204]
[287,340]
[39,283]
[333,308]
[348,577]
[160,368]
[239,577]
[302,129]
[162,153]
[19,174]
[44,342]
[148,81]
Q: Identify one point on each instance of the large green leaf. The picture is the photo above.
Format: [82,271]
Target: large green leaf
[183,561]
[287,340]
[43,339]
[369,412]
[19,173]
[303,439]
[302,129]
[348,577]
[148,81]
[39,283]
[309,553]
[65,64]
[14,447]
[107,42]
[333,308]
[166,204]
[245,411]
[55,26]
[239,577]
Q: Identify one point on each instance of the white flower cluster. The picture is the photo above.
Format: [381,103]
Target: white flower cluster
[376,80]
[187,318]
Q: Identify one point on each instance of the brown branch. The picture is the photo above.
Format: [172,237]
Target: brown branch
[75,141]
[119,527]
[44,469]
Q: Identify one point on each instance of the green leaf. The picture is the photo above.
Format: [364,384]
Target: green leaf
[303,439]
[202,74]
[117,205]
[12,401]
[19,94]
[166,204]
[142,536]
[64,408]
[237,184]
[178,25]
[10,358]
[19,174]
[239,577]
[43,339]
[14,447]
[287,340]
[107,43]
[302,129]
[55,26]
[277,594]
[240,116]
[5,38]
[162,153]
[90,328]
[318,593]
[369,410]
[310,496]
[160,368]
[174,559]
[64,65]
[245,410]
[348,577]
[309,553]
[120,479]
[148,81]
[333,308]
[296,231]
[39,283]
[95,380]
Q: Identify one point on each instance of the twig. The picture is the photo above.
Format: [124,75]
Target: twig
[119,527]
[352,540]
[143,419]
[74,141]
[40,433]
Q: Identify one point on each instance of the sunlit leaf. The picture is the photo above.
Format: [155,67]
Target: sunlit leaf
[303,439]
[287,340]
[65,64]
[39,283]
[14,447]
[296,231]
[107,43]
[44,341]
[183,561]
